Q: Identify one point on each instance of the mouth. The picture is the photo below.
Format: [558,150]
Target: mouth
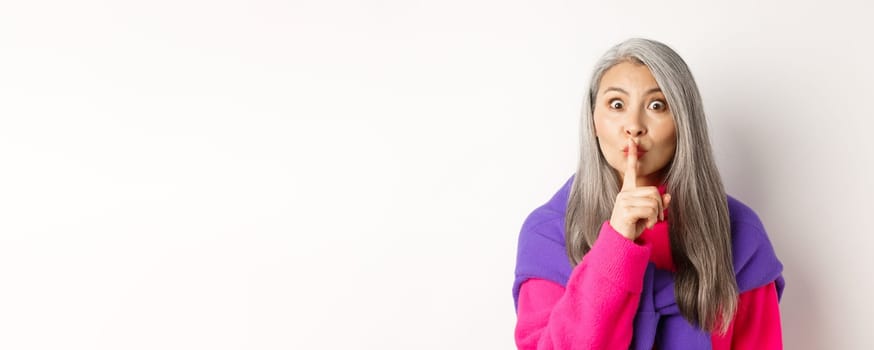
[640,152]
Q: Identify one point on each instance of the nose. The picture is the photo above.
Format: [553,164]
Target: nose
[635,131]
[634,127]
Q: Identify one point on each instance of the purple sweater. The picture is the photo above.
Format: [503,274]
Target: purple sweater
[541,254]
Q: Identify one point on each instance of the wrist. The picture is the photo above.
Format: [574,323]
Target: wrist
[621,231]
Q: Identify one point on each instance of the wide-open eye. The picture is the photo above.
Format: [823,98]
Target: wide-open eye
[616,104]
[657,105]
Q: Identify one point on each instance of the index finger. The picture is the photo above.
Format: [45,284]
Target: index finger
[630,180]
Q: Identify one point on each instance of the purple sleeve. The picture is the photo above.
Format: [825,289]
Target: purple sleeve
[596,309]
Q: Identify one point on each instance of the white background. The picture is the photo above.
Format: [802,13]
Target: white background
[354,174]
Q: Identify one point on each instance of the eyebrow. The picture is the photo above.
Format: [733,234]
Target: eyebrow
[613,88]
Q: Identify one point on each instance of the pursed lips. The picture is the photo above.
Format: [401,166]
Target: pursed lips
[640,151]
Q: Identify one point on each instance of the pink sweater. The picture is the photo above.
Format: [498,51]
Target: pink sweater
[596,309]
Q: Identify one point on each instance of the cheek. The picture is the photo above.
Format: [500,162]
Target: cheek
[601,125]
[669,146]
[669,135]
[601,137]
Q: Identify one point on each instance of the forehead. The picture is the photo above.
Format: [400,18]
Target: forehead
[628,76]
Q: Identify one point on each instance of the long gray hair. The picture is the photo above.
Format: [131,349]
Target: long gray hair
[700,232]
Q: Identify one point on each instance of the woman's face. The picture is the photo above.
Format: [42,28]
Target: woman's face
[629,104]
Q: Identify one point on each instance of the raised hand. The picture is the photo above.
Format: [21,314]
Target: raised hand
[636,208]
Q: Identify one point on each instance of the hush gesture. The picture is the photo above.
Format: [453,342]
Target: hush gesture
[636,208]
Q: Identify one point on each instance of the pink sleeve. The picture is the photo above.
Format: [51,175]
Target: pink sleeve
[756,324]
[596,309]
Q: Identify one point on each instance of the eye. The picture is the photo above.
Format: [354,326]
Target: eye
[616,104]
[657,105]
